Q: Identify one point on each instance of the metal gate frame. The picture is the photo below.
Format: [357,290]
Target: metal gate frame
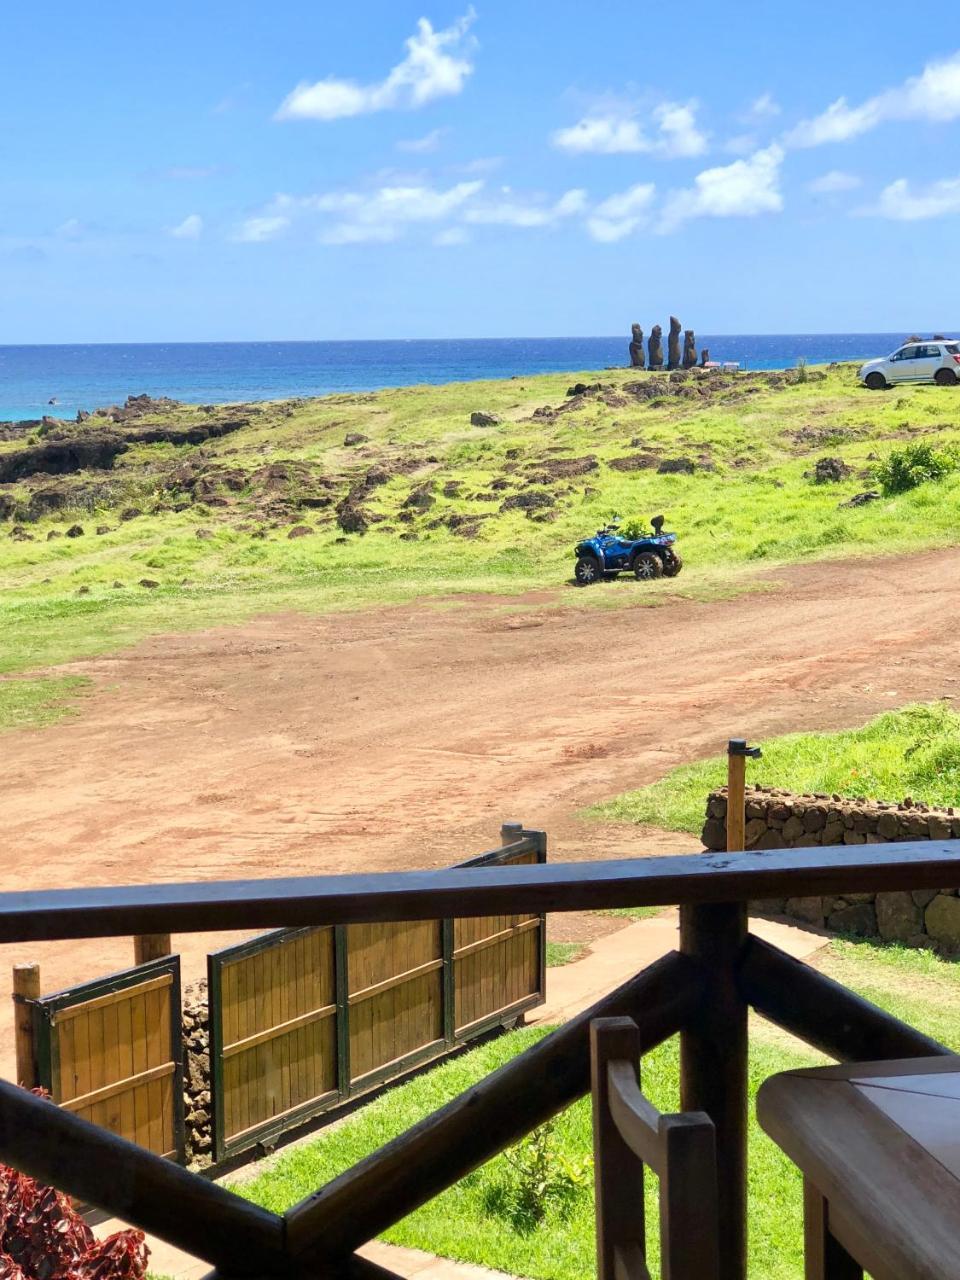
[45,1008]
[266,1133]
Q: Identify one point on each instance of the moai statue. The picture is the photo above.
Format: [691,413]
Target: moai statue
[689,349]
[704,357]
[655,347]
[637,360]
[673,344]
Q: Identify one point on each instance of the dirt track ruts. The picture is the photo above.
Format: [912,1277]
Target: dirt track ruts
[401,737]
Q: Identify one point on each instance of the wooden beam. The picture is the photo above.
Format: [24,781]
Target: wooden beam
[496,1112]
[617,1166]
[151,946]
[85,1161]
[26,987]
[822,1012]
[475,891]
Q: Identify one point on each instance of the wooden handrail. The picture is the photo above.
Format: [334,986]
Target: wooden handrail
[824,1013]
[58,1148]
[425,895]
[637,1120]
[501,1109]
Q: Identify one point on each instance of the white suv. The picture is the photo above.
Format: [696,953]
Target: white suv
[937,361]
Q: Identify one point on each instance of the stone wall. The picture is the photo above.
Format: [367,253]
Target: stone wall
[778,819]
[196,1075]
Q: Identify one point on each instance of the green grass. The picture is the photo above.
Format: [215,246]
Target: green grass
[749,505]
[34,703]
[561,953]
[918,986]
[914,751]
[631,913]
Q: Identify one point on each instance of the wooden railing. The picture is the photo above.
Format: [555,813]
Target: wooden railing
[703,992]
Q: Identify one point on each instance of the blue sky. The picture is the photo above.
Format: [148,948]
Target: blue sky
[317,170]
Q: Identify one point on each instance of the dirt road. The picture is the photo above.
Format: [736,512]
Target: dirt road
[401,738]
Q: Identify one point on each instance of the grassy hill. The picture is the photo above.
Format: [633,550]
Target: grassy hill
[352,500]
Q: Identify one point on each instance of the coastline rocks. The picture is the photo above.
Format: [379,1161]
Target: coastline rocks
[673,344]
[655,347]
[637,360]
[60,455]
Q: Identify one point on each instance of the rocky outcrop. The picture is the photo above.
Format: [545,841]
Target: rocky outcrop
[689,349]
[673,344]
[830,471]
[482,419]
[637,360]
[655,347]
[196,1075]
[778,819]
[60,455]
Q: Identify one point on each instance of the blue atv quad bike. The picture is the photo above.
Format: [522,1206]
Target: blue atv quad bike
[608,554]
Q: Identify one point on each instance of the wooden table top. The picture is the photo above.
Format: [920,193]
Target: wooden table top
[881,1142]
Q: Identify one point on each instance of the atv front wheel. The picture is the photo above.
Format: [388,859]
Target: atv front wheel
[587,571]
[673,566]
[647,566]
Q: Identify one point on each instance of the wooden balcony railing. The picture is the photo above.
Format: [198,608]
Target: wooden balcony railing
[703,992]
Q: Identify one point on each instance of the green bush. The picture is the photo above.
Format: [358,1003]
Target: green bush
[538,1177]
[915,464]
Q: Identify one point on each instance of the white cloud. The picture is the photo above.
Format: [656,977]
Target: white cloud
[189,229]
[429,142]
[743,189]
[763,108]
[264,227]
[511,211]
[834,181]
[433,68]
[934,96]
[904,204]
[389,205]
[451,236]
[358,233]
[616,217]
[614,133]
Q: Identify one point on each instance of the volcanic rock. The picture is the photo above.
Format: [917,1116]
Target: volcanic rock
[673,344]
[479,418]
[655,347]
[637,360]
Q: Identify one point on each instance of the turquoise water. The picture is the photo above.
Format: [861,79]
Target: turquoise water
[88,377]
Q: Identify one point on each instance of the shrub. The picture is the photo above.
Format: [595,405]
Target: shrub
[539,1178]
[913,465]
[802,369]
[42,1237]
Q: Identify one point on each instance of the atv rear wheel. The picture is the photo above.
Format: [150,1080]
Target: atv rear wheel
[673,566]
[587,571]
[647,566]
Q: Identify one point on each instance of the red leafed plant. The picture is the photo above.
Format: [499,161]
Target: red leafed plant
[42,1237]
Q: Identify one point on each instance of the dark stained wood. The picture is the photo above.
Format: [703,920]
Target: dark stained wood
[689,1207]
[713,1062]
[617,1170]
[891,1204]
[822,1012]
[475,891]
[145,1190]
[824,1256]
[498,1111]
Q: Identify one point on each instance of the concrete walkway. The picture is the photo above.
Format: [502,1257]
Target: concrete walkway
[609,962]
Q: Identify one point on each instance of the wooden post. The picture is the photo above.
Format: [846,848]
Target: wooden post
[617,1172]
[713,1063]
[736,786]
[151,946]
[510,833]
[26,986]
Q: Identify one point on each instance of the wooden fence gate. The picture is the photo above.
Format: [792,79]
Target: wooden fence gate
[303,1019]
[110,1052]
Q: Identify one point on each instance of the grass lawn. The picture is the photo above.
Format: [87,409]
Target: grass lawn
[749,502]
[560,953]
[914,751]
[461,1224]
[40,701]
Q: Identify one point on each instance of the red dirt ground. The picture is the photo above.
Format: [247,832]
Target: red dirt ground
[402,737]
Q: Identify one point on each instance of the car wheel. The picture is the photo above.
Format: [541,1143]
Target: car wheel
[875,381]
[647,566]
[673,566]
[587,571]
[945,378]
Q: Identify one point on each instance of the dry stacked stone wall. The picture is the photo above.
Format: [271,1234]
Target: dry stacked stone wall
[196,1075]
[778,819]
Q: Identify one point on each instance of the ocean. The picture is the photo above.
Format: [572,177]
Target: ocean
[96,375]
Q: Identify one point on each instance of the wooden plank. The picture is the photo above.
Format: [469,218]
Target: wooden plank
[111,998]
[398,979]
[618,1172]
[429,895]
[824,1257]
[119,1086]
[689,1209]
[495,1113]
